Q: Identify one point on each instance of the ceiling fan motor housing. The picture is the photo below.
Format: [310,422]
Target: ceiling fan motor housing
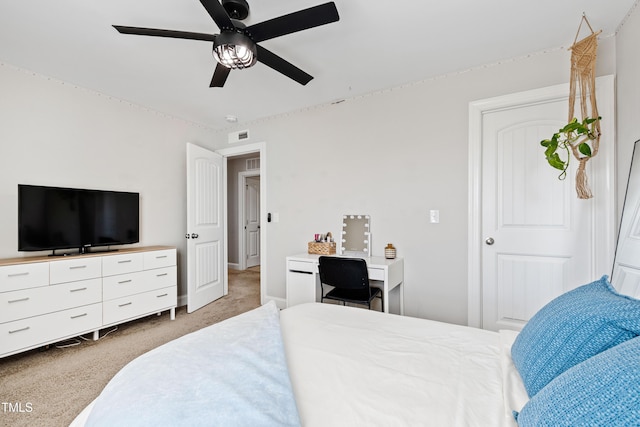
[237,9]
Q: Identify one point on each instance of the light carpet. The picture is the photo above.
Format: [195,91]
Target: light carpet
[49,387]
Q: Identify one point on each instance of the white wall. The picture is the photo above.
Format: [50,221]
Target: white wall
[393,155]
[53,133]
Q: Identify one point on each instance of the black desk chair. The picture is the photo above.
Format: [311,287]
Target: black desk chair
[350,280]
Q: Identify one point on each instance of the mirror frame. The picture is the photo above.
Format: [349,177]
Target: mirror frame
[356,229]
[621,280]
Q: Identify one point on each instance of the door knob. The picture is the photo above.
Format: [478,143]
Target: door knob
[194,236]
[490,241]
[186,236]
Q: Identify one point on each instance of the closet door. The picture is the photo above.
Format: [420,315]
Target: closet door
[530,237]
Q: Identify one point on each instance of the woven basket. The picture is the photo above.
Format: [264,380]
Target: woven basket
[322,248]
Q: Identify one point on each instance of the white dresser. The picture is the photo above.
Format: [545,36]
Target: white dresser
[48,299]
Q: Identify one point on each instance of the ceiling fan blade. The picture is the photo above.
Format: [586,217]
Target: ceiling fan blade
[164,33]
[218,14]
[293,22]
[220,76]
[272,60]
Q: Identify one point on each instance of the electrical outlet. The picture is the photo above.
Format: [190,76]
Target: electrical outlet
[434,216]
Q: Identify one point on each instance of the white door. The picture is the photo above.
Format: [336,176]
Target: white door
[252,220]
[206,272]
[537,239]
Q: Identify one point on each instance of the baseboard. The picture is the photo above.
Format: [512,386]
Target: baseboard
[182,300]
[281,303]
[233,266]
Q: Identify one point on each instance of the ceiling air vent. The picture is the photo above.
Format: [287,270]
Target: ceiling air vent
[253,164]
[239,136]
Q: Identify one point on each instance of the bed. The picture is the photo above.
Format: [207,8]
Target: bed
[327,365]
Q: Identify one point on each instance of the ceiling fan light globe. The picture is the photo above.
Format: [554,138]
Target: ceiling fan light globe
[234,50]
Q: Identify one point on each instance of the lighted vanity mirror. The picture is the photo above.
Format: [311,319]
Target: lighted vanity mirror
[626,267]
[356,235]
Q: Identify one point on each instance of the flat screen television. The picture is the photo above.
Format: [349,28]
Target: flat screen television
[51,218]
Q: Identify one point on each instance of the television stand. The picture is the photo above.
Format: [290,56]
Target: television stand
[45,300]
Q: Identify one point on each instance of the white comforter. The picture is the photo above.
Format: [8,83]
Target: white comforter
[343,366]
[354,367]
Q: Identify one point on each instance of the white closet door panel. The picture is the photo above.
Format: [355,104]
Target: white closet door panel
[526,283]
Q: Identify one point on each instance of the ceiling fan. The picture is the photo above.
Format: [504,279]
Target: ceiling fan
[236,47]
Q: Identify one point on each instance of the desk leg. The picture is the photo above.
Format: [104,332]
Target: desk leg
[385,305]
[401,290]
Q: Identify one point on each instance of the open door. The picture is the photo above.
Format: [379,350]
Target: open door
[206,263]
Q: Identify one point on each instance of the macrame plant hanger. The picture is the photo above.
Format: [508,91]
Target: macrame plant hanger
[583,80]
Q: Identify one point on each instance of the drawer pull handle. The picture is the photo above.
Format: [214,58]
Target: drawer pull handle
[77,316]
[26,273]
[124,261]
[78,290]
[125,304]
[162,274]
[160,296]
[161,256]
[124,281]
[15,331]
[19,300]
[77,267]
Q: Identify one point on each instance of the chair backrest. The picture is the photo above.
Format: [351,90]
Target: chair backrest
[345,273]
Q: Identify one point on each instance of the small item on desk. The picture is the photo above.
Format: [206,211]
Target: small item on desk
[389,251]
[322,248]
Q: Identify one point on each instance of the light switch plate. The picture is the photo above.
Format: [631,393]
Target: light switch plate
[434,216]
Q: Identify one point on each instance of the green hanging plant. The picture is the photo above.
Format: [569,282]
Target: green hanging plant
[574,137]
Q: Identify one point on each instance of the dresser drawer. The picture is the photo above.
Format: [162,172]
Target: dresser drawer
[134,306]
[306,267]
[135,283]
[162,277]
[75,269]
[36,331]
[120,264]
[159,259]
[376,274]
[24,276]
[48,299]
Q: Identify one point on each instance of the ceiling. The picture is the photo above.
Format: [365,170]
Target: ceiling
[374,46]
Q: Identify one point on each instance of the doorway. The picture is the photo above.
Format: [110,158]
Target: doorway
[249,230]
[530,238]
[243,211]
[242,162]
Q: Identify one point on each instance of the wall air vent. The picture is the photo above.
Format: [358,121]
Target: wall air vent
[253,164]
[239,136]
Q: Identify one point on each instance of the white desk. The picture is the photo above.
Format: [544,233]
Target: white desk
[303,279]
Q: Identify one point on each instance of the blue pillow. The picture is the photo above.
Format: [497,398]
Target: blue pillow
[572,328]
[602,391]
